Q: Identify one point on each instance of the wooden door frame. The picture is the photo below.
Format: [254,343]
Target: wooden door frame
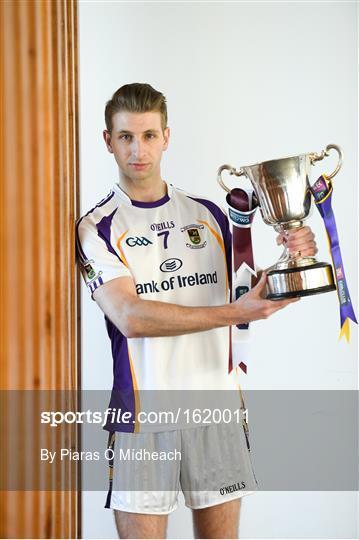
[40,293]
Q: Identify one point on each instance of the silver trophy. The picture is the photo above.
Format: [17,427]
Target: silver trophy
[283,192]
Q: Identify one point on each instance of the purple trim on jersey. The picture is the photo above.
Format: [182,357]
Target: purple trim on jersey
[101,203]
[122,395]
[95,284]
[104,232]
[152,204]
[223,223]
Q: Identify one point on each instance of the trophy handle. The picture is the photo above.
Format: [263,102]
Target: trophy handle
[318,157]
[231,170]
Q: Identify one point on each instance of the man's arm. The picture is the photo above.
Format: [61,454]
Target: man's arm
[135,317]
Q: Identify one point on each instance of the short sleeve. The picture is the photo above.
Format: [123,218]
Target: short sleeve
[98,260]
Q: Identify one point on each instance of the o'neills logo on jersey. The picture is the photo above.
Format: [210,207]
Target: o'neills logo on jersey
[162,226]
[231,489]
[177,282]
[194,235]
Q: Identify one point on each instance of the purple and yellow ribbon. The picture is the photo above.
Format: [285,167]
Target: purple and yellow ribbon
[322,192]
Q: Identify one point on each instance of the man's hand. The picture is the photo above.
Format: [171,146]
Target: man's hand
[253,306]
[299,240]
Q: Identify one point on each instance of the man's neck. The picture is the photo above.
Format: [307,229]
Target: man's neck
[143,191]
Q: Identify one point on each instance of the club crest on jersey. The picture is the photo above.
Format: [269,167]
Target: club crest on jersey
[193,233]
[194,236]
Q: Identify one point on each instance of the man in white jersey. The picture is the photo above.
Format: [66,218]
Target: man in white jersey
[157,262]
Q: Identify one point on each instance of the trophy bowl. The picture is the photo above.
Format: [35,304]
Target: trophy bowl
[282,187]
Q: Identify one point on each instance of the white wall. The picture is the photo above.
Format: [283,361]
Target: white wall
[245,82]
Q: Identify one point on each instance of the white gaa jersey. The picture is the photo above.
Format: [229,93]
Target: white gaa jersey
[177,250]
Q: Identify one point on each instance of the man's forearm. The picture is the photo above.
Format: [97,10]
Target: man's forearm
[135,317]
[149,318]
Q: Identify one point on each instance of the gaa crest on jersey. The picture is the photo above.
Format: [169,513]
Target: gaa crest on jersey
[193,234]
[133,241]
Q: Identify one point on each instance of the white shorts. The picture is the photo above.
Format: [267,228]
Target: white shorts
[209,464]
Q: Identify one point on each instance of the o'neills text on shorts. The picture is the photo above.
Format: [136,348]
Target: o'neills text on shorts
[145,455]
[231,489]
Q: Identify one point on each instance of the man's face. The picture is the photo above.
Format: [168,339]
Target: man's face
[137,142]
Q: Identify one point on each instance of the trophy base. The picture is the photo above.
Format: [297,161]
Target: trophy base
[300,281]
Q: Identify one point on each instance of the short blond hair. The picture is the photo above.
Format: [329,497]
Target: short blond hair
[136,97]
